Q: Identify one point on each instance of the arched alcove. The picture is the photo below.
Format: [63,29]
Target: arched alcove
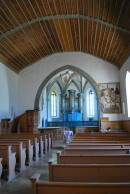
[66,68]
[70,67]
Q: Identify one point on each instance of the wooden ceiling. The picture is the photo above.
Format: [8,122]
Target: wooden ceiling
[33,29]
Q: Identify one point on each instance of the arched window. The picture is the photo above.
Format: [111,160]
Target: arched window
[128,91]
[53,104]
[91,103]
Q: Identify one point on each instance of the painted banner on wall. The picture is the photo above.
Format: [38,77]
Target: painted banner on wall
[109,97]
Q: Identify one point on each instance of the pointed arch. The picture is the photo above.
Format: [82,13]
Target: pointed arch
[70,67]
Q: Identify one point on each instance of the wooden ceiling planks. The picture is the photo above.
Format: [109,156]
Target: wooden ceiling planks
[93,37]
[81,34]
[69,34]
[33,29]
[63,6]
[123,44]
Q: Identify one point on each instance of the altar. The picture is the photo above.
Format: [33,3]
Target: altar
[68,134]
[57,132]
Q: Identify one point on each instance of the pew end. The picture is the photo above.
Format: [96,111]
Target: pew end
[58,154]
[45,187]
[34,179]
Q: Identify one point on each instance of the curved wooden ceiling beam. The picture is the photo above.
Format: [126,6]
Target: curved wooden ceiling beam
[68,16]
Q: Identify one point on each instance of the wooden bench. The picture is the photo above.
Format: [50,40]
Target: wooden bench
[42,187]
[33,135]
[101,137]
[20,153]
[9,161]
[99,134]
[28,145]
[100,141]
[89,172]
[1,167]
[85,145]
[19,138]
[85,136]
[93,159]
[84,151]
[45,141]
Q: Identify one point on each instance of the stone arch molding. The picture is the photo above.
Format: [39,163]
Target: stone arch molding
[69,67]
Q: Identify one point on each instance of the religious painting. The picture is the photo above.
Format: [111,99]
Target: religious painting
[109,97]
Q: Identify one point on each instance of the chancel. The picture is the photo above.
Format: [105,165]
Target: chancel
[70,111]
[65,87]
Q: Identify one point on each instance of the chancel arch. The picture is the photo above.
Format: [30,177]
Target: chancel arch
[71,86]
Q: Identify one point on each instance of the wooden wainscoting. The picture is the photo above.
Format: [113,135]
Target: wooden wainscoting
[122,124]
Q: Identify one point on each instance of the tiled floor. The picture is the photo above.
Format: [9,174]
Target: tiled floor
[21,184]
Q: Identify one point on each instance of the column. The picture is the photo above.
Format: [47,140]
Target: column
[71,100]
[63,97]
[80,102]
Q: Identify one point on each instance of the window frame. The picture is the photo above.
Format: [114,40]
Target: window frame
[127,80]
[91,103]
[53,104]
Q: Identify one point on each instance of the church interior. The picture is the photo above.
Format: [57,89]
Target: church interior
[65,96]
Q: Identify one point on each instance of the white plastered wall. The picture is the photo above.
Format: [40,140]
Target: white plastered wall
[8,92]
[31,78]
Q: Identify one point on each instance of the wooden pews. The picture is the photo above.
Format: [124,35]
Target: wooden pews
[42,187]
[22,151]
[104,135]
[27,144]
[1,167]
[93,159]
[99,141]
[91,163]
[85,151]
[89,172]
[8,161]
[87,145]
[45,141]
